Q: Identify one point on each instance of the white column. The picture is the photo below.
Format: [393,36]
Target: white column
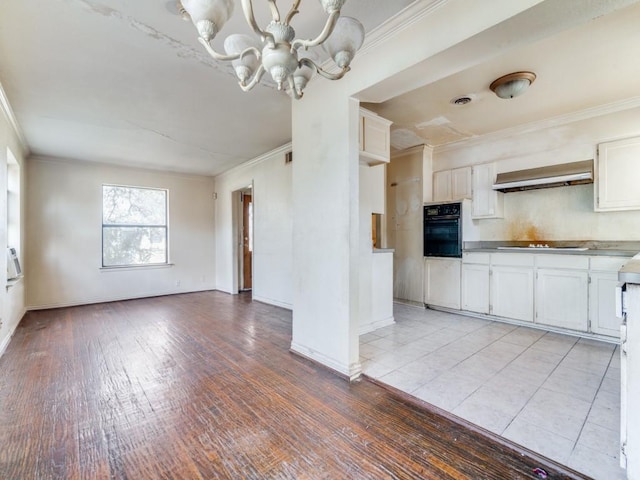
[326,229]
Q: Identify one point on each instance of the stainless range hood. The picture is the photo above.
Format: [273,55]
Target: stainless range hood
[575,173]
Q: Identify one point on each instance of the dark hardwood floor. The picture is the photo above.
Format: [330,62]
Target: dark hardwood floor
[202,386]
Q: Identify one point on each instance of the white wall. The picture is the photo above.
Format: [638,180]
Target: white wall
[326,186]
[64,242]
[376,269]
[12,301]
[270,177]
[404,206]
[565,213]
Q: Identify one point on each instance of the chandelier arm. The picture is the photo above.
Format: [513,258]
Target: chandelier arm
[293,91]
[275,13]
[294,11]
[328,28]
[254,81]
[331,76]
[219,56]
[247,8]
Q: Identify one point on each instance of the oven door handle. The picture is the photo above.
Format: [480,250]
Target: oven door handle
[443,217]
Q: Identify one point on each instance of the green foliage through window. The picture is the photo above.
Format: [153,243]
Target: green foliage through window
[134,226]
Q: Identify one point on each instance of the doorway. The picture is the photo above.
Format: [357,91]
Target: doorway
[245,234]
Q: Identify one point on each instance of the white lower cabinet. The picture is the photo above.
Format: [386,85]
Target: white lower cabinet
[442,282]
[570,292]
[512,292]
[475,282]
[475,288]
[602,295]
[602,304]
[562,298]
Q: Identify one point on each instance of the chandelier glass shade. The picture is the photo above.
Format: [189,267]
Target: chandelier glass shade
[291,62]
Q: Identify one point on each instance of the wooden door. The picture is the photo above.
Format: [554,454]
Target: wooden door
[247,241]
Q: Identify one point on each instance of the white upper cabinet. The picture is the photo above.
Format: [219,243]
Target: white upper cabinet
[451,185]
[375,138]
[486,202]
[618,175]
[442,186]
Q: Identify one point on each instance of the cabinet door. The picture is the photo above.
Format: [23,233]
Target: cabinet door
[486,202]
[442,186]
[602,304]
[512,292]
[562,298]
[475,288]
[375,137]
[461,183]
[442,282]
[618,175]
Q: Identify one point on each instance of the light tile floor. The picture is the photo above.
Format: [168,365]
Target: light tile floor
[555,394]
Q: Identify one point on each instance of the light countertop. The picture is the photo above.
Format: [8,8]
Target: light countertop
[594,248]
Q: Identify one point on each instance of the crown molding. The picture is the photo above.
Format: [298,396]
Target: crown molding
[254,161]
[8,111]
[559,120]
[409,151]
[403,19]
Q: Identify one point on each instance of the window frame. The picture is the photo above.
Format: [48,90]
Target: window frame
[132,225]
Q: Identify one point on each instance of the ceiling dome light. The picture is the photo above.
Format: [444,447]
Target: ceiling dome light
[512,85]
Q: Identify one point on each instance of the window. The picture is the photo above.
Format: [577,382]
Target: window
[13,202]
[134,226]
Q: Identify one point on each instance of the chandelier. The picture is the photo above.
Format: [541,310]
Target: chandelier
[288,60]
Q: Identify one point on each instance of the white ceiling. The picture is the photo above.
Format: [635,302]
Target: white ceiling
[126,82]
[583,53]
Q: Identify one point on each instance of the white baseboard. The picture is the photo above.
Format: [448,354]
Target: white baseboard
[370,327]
[90,301]
[6,340]
[352,371]
[271,301]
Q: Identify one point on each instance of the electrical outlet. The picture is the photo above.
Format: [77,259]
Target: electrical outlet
[177,283]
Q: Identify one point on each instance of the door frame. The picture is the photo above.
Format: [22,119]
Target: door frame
[238,230]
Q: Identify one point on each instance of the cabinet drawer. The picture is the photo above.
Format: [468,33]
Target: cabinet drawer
[577,262]
[513,259]
[608,264]
[479,258]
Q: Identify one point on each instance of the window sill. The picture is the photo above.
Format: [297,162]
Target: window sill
[136,267]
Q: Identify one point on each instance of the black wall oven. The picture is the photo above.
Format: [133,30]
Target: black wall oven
[443,230]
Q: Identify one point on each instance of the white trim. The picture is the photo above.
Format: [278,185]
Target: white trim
[7,339]
[400,21]
[585,114]
[370,327]
[351,371]
[11,117]
[254,161]
[406,17]
[409,151]
[270,301]
[94,300]
[122,268]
